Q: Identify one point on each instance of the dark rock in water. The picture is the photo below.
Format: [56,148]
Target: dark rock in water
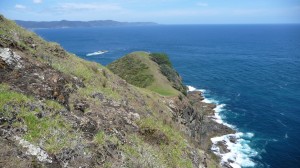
[232,139]
[223,147]
[195,95]
[230,161]
[226,165]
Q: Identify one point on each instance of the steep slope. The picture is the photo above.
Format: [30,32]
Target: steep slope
[57,110]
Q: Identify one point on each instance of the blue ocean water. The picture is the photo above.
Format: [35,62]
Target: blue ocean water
[253,69]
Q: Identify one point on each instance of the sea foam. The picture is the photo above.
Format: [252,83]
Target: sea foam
[240,152]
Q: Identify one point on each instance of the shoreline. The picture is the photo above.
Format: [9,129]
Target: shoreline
[231,148]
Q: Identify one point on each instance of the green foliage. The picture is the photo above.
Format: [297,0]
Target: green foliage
[161,59]
[133,70]
[177,146]
[163,91]
[53,105]
[100,137]
[167,70]
[173,77]
[9,96]
[51,129]
[138,69]
[76,66]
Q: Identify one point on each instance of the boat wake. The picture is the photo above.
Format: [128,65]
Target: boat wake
[97,53]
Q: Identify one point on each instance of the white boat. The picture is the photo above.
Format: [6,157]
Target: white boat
[97,53]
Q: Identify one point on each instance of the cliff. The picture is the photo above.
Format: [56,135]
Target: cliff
[57,110]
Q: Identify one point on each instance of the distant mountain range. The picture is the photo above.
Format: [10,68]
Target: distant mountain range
[73,24]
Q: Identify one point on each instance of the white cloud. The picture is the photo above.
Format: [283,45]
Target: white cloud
[88,6]
[37,1]
[18,6]
[202,4]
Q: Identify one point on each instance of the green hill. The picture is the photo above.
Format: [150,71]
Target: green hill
[143,70]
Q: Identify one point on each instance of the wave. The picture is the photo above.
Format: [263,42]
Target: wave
[238,152]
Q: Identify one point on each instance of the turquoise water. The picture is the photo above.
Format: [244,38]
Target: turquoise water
[251,71]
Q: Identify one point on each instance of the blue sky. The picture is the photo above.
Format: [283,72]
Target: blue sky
[160,11]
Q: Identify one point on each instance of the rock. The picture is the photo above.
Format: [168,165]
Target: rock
[134,116]
[89,127]
[81,105]
[34,150]
[33,46]
[226,165]
[3,65]
[99,96]
[172,105]
[78,82]
[223,147]
[113,103]
[232,139]
[10,58]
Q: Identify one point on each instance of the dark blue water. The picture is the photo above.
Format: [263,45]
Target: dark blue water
[253,69]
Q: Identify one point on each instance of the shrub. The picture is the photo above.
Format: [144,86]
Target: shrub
[161,58]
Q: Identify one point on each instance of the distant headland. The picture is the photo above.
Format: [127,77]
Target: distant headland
[77,24]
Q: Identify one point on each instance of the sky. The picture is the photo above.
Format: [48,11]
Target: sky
[159,11]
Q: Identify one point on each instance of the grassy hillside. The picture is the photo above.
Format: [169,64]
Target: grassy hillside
[137,68]
[57,110]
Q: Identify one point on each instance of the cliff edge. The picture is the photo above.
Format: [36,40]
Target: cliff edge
[57,110]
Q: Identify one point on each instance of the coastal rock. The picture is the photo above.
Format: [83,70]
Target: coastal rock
[34,150]
[11,59]
[232,139]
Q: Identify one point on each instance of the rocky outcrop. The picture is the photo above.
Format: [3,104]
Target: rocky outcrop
[196,117]
[10,59]
[39,80]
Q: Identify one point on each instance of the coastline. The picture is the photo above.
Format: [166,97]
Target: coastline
[230,145]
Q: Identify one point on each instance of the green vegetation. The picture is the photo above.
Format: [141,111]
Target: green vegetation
[167,70]
[161,59]
[100,137]
[133,70]
[51,129]
[174,143]
[146,150]
[138,69]
[7,96]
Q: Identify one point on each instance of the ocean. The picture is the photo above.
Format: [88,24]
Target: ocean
[251,71]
